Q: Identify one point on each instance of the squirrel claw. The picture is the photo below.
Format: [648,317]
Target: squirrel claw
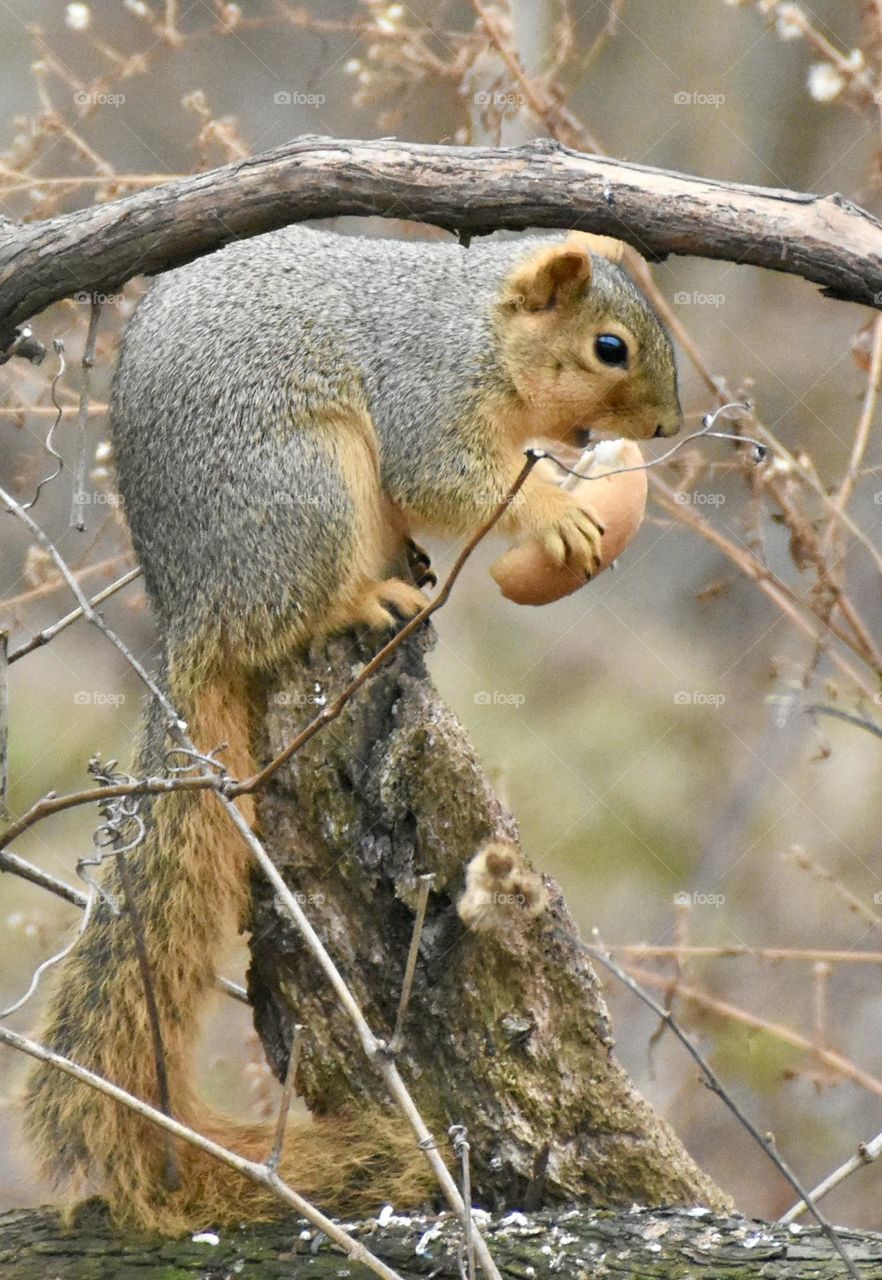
[382,605]
[574,539]
[420,564]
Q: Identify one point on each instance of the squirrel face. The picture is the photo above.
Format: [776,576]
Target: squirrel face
[583,347]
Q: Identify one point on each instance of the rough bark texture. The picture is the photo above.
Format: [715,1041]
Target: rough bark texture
[507,1031]
[660,1245]
[469,190]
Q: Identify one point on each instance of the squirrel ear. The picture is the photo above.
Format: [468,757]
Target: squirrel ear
[607,247]
[603,246]
[549,277]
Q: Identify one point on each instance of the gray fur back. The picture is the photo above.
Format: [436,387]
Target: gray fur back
[227,362]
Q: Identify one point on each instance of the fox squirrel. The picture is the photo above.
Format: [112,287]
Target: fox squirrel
[284,412]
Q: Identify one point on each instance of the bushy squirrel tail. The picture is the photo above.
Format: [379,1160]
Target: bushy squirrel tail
[190,877]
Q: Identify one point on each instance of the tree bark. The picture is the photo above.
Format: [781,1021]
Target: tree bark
[507,1031]
[467,190]
[654,1245]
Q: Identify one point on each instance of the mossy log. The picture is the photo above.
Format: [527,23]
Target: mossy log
[578,1243]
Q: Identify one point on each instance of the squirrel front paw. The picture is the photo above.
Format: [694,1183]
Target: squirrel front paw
[572,538]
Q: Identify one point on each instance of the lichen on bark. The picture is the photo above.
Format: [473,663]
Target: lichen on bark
[580,1243]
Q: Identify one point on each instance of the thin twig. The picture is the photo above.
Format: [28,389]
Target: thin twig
[233,990]
[49,588]
[169,26]
[53,804]
[275,1154]
[798,855]
[817,551]
[856,77]
[802,466]
[820,1001]
[95,618]
[54,959]
[45,410]
[543,106]
[819,709]
[78,499]
[606,33]
[35,875]
[425,884]
[459,1137]
[713,1082]
[771,586]
[867,1152]
[865,422]
[258,1173]
[829,1058]
[49,633]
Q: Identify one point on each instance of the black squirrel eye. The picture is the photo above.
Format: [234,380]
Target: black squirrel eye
[611,349]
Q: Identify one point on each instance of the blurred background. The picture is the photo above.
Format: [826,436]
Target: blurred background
[652,732]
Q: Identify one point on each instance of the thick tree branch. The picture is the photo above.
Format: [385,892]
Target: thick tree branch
[506,1032]
[469,190]
[654,1245]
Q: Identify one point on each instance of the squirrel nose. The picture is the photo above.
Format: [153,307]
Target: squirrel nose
[669,429]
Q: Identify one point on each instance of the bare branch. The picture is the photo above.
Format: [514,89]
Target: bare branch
[233,990]
[52,803]
[424,885]
[35,875]
[22,514]
[78,500]
[712,1080]
[725,951]
[829,1058]
[275,1154]
[468,190]
[819,709]
[795,609]
[867,1152]
[49,633]
[459,1137]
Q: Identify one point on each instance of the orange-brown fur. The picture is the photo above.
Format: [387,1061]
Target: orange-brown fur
[345,1162]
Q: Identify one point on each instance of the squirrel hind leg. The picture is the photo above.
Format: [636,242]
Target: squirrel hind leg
[380,605]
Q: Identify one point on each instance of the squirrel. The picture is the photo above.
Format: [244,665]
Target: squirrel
[285,412]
